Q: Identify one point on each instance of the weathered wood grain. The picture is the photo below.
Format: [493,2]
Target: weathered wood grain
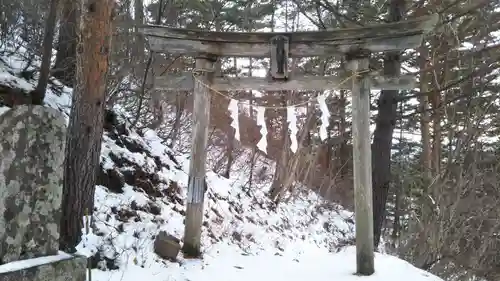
[362,168]
[197,170]
[262,50]
[185,82]
[376,38]
[418,25]
[279,47]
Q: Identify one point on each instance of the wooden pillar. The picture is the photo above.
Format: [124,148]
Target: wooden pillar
[362,164]
[197,185]
[280,46]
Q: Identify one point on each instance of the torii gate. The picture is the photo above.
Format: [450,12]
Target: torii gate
[356,44]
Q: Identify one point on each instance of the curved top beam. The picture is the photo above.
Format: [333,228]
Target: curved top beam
[375,38]
[415,26]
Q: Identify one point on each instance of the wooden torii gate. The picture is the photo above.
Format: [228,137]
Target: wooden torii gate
[356,44]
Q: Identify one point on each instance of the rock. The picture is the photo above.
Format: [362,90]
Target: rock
[154,209]
[110,120]
[59,269]
[32,146]
[112,179]
[13,96]
[167,246]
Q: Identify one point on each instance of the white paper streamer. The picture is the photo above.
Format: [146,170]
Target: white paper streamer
[233,108]
[325,117]
[292,125]
[261,121]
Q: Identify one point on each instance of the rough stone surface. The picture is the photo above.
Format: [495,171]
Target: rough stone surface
[72,269]
[32,144]
[167,246]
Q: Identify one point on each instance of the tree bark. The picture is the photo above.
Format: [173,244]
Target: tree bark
[424,116]
[277,186]
[253,141]
[343,153]
[139,20]
[229,153]
[65,64]
[385,123]
[38,95]
[86,120]
[179,109]
[396,227]
[436,123]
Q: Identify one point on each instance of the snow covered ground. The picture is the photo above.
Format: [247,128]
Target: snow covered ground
[141,191]
[223,264]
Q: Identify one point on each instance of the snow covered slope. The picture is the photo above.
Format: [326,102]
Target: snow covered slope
[141,191]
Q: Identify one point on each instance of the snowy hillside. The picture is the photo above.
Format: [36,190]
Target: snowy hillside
[141,191]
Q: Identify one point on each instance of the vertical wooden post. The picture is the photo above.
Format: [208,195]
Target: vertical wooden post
[196,185]
[362,164]
[280,45]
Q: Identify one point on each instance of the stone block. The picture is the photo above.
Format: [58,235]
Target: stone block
[32,147]
[167,246]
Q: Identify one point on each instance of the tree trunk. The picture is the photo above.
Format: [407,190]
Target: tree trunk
[343,153]
[179,109]
[253,141]
[396,227]
[436,130]
[382,139]
[65,65]
[38,95]
[281,165]
[139,20]
[229,153]
[86,120]
[424,115]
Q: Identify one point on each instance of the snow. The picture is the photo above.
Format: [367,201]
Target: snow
[3,109]
[89,242]
[223,264]
[245,236]
[22,264]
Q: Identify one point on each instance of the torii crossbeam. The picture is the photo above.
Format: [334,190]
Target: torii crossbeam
[374,38]
[356,44]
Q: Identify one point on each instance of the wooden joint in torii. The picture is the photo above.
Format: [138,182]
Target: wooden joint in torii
[280,48]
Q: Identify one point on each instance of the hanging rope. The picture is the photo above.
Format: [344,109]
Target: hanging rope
[196,72]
